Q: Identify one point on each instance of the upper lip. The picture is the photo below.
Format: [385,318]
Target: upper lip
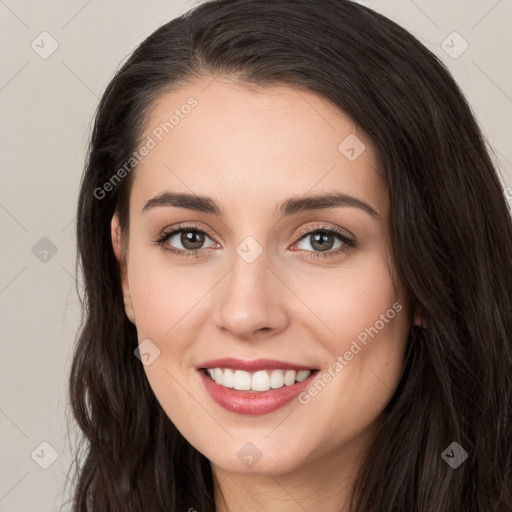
[252,365]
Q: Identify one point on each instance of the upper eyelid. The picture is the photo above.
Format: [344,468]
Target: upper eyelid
[321,227]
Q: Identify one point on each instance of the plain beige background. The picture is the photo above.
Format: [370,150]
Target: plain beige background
[47,103]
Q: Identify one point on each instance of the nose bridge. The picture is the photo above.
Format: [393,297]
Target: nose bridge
[249,301]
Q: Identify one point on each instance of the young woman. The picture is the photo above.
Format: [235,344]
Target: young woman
[297,263]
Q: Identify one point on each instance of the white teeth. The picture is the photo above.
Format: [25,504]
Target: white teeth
[262,380]
[302,375]
[289,377]
[228,379]
[276,379]
[241,381]
[218,375]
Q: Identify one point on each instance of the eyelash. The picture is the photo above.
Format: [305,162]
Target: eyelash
[349,243]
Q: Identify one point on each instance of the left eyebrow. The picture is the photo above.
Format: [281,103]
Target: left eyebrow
[299,204]
[291,206]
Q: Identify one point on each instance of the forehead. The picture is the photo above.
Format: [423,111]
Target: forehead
[224,139]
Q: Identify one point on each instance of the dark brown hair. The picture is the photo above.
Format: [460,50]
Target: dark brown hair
[451,235]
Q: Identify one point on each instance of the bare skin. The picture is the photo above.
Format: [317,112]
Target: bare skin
[250,151]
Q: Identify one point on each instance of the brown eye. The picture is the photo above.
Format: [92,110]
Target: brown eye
[324,242]
[321,241]
[192,239]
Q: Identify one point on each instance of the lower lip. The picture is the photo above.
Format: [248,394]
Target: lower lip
[255,402]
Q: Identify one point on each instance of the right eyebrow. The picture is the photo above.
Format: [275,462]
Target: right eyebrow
[183,200]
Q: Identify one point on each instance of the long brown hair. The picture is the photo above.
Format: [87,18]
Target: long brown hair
[451,235]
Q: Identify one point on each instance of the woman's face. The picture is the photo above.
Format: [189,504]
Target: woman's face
[309,325]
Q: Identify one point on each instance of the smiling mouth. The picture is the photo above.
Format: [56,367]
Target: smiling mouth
[259,381]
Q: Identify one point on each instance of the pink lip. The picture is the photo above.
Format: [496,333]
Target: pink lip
[252,403]
[251,366]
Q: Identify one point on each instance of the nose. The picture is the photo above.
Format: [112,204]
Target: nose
[251,303]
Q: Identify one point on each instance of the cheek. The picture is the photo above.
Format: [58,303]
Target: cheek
[166,299]
[355,301]
[164,296]
[368,328]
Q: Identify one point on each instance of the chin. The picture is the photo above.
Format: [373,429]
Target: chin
[248,457]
